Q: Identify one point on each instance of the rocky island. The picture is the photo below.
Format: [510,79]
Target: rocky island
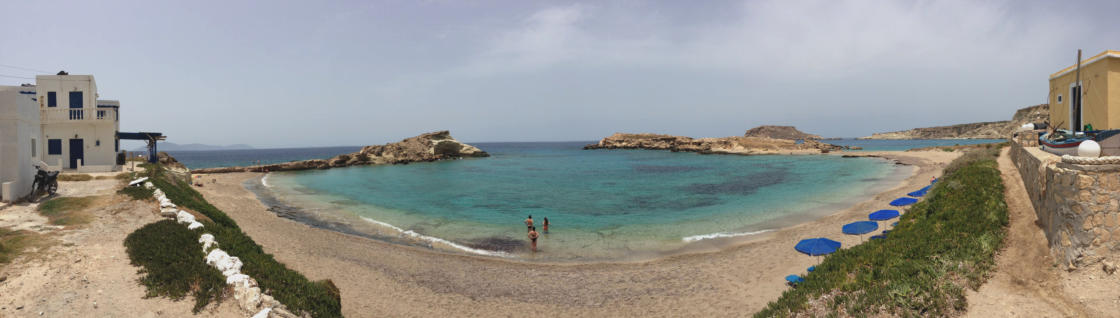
[757,141]
[981,130]
[423,148]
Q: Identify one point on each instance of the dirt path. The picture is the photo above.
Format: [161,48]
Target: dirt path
[1025,284]
[85,272]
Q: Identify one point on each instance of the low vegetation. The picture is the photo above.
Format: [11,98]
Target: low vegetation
[136,193]
[14,242]
[319,299]
[171,264]
[74,177]
[68,210]
[942,245]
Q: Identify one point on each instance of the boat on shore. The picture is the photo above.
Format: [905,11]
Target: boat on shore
[1062,142]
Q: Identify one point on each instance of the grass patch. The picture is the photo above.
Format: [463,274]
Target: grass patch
[74,177]
[171,265]
[67,210]
[319,299]
[137,193]
[945,243]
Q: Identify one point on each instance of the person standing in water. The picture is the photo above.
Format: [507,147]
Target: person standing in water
[545,223]
[533,235]
[529,223]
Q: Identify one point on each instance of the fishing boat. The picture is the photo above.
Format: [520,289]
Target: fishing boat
[1062,142]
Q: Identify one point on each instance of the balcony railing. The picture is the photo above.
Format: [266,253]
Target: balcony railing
[55,115]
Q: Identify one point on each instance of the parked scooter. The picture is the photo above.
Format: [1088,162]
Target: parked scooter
[45,182]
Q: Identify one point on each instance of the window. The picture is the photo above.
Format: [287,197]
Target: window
[76,99]
[54,146]
[33,148]
[52,99]
[117,145]
[97,143]
[1059,99]
[101,114]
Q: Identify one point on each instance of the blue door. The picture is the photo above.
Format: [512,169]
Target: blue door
[76,152]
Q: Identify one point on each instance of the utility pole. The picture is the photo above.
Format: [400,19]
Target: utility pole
[1077,99]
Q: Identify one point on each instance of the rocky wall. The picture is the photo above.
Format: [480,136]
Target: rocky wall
[1078,206]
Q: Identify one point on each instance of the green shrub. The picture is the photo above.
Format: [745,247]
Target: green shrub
[74,177]
[136,193]
[67,210]
[172,263]
[943,244]
[289,287]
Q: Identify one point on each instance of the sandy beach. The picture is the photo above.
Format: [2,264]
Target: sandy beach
[384,279]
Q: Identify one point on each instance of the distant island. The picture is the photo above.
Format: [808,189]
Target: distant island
[981,130]
[756,141]
[170,146]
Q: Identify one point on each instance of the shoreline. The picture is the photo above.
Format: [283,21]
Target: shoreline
[349,222]
[713,280]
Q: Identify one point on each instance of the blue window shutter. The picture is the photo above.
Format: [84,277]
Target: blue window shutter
[52,99]
[54,146]
[76,99]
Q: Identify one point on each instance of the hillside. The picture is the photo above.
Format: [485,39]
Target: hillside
[780,132]
[981,130]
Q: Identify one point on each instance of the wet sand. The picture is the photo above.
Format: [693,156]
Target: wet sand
[385,279]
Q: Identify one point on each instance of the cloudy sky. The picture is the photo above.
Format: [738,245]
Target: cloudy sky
[311,73]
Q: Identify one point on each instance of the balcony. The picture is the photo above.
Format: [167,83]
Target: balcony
[90,115]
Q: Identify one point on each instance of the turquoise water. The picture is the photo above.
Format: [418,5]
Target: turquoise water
[602,204]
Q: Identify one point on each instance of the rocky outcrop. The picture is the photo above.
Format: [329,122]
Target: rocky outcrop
[983,130]
[780,132]
[423,148]
[727,145]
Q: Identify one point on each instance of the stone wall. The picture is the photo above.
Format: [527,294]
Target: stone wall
[1078,206]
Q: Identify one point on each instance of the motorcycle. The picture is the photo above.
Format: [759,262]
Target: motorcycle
[45,182]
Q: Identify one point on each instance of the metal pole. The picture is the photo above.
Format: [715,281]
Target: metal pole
[1077,99]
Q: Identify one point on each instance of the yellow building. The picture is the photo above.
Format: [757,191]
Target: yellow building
[1100,94]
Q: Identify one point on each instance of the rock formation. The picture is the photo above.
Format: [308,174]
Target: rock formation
[780,132]
[423,148]
[983,130]
[725,145]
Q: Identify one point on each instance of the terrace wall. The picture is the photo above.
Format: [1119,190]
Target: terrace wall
[1078,206]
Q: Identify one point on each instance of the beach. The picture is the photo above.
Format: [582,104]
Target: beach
[377,278]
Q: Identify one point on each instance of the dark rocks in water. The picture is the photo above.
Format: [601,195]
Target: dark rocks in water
[497,243]
[423,148]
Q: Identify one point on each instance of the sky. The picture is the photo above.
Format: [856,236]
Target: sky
[327,73]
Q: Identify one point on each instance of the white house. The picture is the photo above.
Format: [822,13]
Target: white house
[20,141]
[79,132]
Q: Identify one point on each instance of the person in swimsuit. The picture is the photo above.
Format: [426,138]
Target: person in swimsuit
[533,235]
[545,225]
[529,223]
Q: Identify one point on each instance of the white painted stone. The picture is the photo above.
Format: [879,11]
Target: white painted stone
[248,298]
[215,256]
[263,313]
[194,225]
[149,185]
[168,212]
[207,240]
[184,217]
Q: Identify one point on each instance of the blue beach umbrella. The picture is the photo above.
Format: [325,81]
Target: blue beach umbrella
[920,192]
[811,269]
[860,228]
[794,279]
[903,201]
[883,215]
[817,246]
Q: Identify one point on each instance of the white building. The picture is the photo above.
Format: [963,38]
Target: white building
[79,132]
[20,141]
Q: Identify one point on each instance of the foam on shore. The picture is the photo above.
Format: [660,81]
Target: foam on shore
[695,238]
[432,239]
[264,180]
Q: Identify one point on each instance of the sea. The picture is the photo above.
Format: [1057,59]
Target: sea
[602,205]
